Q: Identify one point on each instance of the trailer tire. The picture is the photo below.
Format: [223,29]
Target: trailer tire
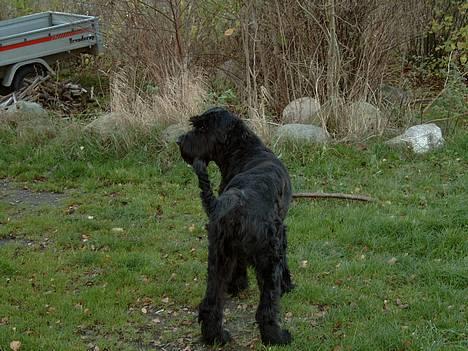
[25,72]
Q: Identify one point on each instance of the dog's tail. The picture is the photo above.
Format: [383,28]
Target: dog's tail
[207,196]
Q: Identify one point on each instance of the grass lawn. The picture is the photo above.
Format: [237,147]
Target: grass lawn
[117,259]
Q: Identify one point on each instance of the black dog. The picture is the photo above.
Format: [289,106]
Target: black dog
[245,222]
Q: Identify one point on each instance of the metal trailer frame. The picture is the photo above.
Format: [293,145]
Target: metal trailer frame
[42,38]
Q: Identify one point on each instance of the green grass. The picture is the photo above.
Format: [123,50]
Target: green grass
[120,262]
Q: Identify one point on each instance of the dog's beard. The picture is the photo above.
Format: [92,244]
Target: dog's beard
[195,148]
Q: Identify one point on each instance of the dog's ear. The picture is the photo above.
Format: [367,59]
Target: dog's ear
[198,121]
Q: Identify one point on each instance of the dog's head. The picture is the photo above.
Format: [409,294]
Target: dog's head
[211,131]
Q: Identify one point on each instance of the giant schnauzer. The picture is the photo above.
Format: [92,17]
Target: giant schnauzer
[245,222]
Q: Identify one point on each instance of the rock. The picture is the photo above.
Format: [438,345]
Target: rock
[421,138]
[109,123]
[171,133]
[26,107]
[363,118]
[303,110]
[302,132]
[395,96]
[362,112]
[29,118]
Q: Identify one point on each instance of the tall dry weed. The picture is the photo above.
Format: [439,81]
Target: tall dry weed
[178,97]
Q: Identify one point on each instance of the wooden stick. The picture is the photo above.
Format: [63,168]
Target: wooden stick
[333,196]
[23,93]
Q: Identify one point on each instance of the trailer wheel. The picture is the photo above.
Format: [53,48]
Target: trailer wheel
[26,75]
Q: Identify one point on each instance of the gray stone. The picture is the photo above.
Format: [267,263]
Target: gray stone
[26,107]
[109,123]
[364,112]
[363,118]
[303,110]
[171,133]
[394,96]
[302,132]
[421,138]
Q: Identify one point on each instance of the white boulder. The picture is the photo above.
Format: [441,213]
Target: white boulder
[421,138]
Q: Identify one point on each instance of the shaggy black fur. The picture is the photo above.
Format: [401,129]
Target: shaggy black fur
[245,222]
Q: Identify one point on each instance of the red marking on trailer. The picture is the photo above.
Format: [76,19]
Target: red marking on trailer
[42,40]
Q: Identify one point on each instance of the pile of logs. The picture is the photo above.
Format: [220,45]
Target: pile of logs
[61,96]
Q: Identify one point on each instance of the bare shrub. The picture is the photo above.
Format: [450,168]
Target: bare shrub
[338,52]
[179,97]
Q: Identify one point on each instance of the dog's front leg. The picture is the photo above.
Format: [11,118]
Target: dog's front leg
[210,314]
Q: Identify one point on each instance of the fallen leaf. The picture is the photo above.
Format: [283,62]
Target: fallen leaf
[144,310]
[15,345]
[229,32]
[71,209]
[156,320]
[304,263]
[165,300]
[401,305]
[392,261]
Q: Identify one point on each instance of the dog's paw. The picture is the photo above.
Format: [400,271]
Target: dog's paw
[276,336]
[218,339]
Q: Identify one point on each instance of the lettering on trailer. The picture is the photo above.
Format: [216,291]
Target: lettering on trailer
[82,38]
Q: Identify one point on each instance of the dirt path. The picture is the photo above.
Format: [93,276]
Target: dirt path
[12,194]
[25,200]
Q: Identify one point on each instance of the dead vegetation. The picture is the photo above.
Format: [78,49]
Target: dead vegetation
[63,97]
[165,56]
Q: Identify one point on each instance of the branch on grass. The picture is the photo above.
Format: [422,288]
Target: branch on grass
[333,196]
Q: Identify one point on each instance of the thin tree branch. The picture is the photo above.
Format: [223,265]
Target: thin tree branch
[333,196]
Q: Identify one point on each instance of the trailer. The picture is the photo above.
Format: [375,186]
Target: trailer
[29,45]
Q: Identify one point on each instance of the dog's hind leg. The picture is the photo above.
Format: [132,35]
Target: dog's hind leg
[210,313]
[286,283]
[239,280]
[268,270]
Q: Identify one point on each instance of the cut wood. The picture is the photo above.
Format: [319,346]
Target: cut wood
[333,196]
[62,96]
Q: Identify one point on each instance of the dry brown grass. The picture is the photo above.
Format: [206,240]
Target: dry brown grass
[179,97]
